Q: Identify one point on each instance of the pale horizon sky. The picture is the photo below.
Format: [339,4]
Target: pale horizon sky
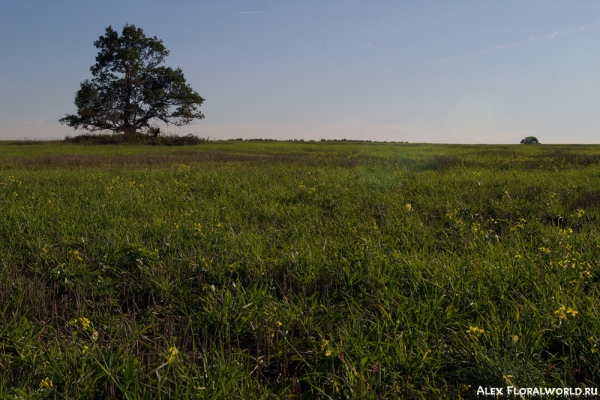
[418,71]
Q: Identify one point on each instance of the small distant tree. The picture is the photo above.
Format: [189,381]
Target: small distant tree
[530,140]
[130,90]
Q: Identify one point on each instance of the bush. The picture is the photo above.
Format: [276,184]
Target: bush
[530,140]
[158,140]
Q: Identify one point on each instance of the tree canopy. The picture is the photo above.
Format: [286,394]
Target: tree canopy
[530,140]
[130,90]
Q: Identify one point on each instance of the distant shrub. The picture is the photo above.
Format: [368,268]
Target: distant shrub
[174,140]
[155,140]
[28,142]
[530,140]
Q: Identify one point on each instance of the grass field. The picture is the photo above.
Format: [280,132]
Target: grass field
[297,269]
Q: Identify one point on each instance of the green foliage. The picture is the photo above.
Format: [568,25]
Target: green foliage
[130,90]
[530,140]
[158,140]
[315,269]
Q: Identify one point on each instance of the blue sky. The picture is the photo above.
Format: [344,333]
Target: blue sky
[417,71]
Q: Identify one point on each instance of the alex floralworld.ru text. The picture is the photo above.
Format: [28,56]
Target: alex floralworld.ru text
[513,391]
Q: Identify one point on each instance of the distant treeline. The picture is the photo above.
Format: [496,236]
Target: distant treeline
[312,140]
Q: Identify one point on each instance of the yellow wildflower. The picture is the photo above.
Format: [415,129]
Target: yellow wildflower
[172,354]
[83,322]
[561,312]
[474,331]
[46,383]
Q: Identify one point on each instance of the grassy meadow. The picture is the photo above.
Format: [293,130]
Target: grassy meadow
[267,270]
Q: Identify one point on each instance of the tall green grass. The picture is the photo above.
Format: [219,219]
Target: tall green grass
[302,269]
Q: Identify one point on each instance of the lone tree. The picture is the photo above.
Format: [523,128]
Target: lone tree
[530,140]
[130,90]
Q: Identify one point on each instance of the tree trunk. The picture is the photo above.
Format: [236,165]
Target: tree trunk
[130,134]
